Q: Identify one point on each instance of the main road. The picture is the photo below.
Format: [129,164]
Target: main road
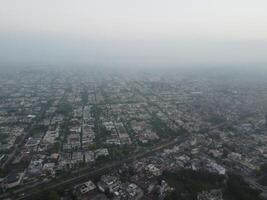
[85,173]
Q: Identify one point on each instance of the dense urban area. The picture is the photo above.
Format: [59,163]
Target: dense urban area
[118,134]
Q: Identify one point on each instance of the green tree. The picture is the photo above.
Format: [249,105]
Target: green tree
[52,195]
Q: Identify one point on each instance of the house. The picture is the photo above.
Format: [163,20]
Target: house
[13,180]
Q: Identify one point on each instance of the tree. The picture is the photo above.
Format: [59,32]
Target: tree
[46,195]
[52,195]
[240,189]
[65,108]
[84,96]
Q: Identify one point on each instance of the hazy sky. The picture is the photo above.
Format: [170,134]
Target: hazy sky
[133,32]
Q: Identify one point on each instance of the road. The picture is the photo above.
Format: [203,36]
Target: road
[85,174]
[16,150]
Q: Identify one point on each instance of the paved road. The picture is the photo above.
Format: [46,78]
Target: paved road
[12,155]
[85,174]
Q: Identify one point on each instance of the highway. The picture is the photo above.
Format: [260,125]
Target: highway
[84,174]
